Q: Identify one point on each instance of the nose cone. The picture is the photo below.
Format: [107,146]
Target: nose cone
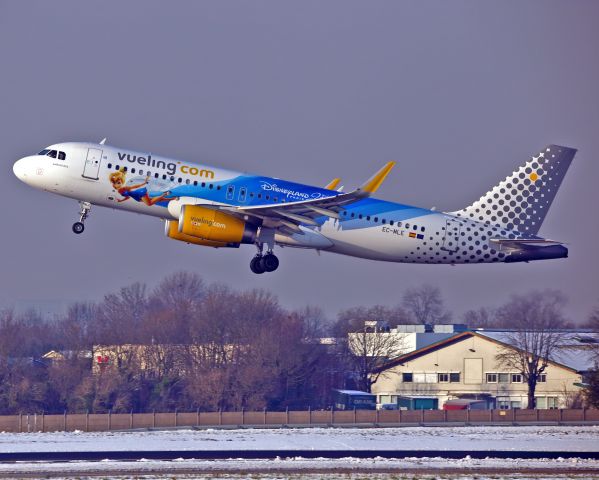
[19,169]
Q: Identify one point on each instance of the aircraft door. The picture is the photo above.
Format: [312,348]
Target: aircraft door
[92,163]
[451,239]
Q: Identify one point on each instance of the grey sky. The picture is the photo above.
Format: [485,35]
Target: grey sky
[459,93]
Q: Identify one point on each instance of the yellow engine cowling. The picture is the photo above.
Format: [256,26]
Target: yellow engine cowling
[171,230]
[214,225]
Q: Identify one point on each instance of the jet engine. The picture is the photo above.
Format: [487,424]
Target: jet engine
[171,230]
[214,225]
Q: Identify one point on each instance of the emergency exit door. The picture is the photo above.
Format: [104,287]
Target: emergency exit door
[92,163]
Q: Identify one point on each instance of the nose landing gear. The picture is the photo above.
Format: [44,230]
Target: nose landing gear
[84,209]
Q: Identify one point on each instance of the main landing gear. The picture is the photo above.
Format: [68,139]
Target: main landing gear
[264,263]
[84,209]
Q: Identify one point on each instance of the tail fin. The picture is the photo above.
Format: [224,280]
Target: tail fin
[521,201]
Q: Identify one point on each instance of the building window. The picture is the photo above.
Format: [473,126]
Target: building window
[454,377]
[491,378]
[443,377]
[503,377]
[516,378]
[425,377]
[542,378]
[407,377]
[503,403]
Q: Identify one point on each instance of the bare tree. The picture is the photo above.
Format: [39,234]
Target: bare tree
[533,342]
[368,350]
[425,303]
[482,318]
[352,319]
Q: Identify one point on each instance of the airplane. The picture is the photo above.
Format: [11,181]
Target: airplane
[219,208]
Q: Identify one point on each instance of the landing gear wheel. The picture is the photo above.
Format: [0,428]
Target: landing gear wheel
[78,227]
[256,265]
[269,262]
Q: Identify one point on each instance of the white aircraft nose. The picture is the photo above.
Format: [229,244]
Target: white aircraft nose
[19,169]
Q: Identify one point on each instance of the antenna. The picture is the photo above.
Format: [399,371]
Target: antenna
[103,141]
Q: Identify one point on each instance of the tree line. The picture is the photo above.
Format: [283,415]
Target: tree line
[217,348]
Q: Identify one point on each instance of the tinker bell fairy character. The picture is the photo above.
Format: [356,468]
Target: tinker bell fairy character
[138,192]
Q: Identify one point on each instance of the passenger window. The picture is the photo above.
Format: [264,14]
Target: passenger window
[109,165]
[422,229]
[180,180]
[230,192]
[242,194]
[391,222]
[368,217]
[61,156]
[188,181]
[156,175]
[164,177]
[203,184]
[195,183]
[415,227]
[376,219]
[218,187]
[210,186]
[133,170]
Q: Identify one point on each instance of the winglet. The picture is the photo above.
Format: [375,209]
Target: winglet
[332,185]
[374,182]
[103,141]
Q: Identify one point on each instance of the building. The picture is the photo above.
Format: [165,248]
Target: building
[465,366]
[378,339]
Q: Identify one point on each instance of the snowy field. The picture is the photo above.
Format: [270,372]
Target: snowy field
[523,438]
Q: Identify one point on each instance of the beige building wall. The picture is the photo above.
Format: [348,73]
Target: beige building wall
[473,358]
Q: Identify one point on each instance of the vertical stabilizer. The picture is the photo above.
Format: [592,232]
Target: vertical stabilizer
[521,201]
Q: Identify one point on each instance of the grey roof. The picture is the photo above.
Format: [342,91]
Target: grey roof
[576,350]
[355,392]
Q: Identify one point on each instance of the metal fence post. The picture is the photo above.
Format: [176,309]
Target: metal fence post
[131,419]
[422,416]
[64,423]
[584,414]
[153,418]
[287,415]
[264,418]
[242,415]
[537,414]
[87,421]
[444,415]
[376,416]
[198,417]
[561,415]
[43,422]
[220,416]
[176,418]
[109,420]
[467,416]
[355,421]
[20,422]
[399,415]
[309,415]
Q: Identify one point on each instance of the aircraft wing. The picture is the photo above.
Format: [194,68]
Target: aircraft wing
[292,214]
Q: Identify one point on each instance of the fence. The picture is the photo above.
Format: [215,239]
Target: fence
[97,422]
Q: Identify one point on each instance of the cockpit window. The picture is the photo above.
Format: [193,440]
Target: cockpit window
[52,153]
[61,156]
[44,152]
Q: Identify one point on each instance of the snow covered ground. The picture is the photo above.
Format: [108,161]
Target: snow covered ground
[299,468]
[521,438]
